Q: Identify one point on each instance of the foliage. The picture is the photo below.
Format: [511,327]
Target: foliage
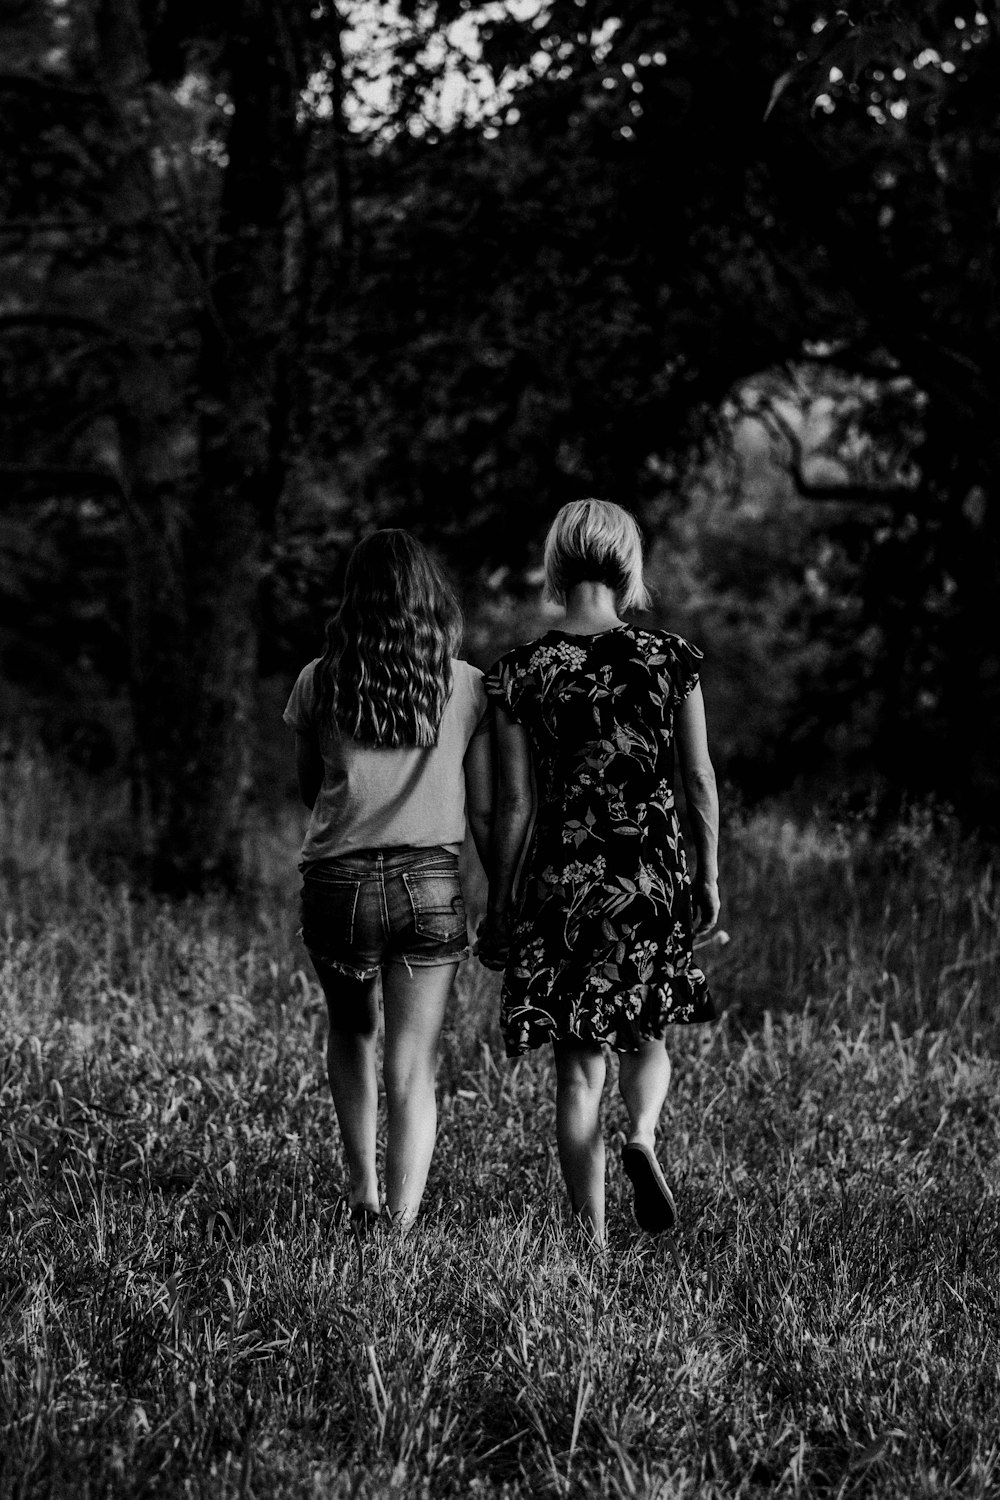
[559,298]
[63,571]
[452,264]
[151,296]
[753,577]
[185,1311]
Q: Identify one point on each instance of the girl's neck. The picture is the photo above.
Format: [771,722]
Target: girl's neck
[590,608]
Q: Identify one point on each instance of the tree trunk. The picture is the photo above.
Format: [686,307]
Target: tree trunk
[197,532]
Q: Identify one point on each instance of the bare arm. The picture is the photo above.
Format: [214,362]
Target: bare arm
[478,768]
[698,776]
[515,804]
[308,766]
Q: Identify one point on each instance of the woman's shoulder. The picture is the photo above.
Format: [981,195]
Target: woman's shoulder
[515,657]
[302,700]
[308,679]
[464,671]
[468,704]
[653,642]
[663,652]
[515,675]
[467,681]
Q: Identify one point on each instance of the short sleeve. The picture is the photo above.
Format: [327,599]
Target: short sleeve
[684,670]
[298,713]
[505,685]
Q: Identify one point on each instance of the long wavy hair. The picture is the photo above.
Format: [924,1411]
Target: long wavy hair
[385,676]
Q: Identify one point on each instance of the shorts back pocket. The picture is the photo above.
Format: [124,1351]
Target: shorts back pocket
[438,907]
[328,908]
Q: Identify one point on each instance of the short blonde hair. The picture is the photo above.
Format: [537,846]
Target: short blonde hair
[594,541]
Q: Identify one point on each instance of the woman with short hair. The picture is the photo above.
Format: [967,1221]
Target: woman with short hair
[598,939]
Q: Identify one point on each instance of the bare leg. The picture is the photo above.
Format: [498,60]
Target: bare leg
[415,1003]
[352,1007]
[580,1074]
[643,1081]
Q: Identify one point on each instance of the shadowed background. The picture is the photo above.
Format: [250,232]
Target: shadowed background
[274,275]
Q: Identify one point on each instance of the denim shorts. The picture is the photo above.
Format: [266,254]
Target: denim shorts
[382,906]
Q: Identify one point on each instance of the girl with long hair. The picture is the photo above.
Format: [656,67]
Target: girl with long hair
[393,756]
[596,945]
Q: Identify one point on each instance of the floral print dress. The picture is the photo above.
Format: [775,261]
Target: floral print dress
[601,945]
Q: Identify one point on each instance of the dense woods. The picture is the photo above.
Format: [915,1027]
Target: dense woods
[275,274]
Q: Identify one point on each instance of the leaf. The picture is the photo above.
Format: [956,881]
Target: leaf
[819,53]
[778,88]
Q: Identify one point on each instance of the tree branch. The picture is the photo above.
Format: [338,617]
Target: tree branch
[897,496]
[963,384]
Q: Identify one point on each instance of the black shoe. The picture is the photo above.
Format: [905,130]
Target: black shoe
[652,1201]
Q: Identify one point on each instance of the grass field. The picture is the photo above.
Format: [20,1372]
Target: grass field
[183,1314]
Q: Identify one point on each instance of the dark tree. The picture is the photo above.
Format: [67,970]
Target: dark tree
[152,242]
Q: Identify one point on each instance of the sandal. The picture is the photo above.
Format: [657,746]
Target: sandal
[652,1201]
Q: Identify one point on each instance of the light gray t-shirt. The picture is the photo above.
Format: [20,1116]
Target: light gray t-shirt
[376,797]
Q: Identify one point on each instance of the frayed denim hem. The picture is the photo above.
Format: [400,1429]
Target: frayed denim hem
[352,971]
[408,961]
[413,961]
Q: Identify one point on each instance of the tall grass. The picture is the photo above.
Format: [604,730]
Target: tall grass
[904,922]
[183,1311]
